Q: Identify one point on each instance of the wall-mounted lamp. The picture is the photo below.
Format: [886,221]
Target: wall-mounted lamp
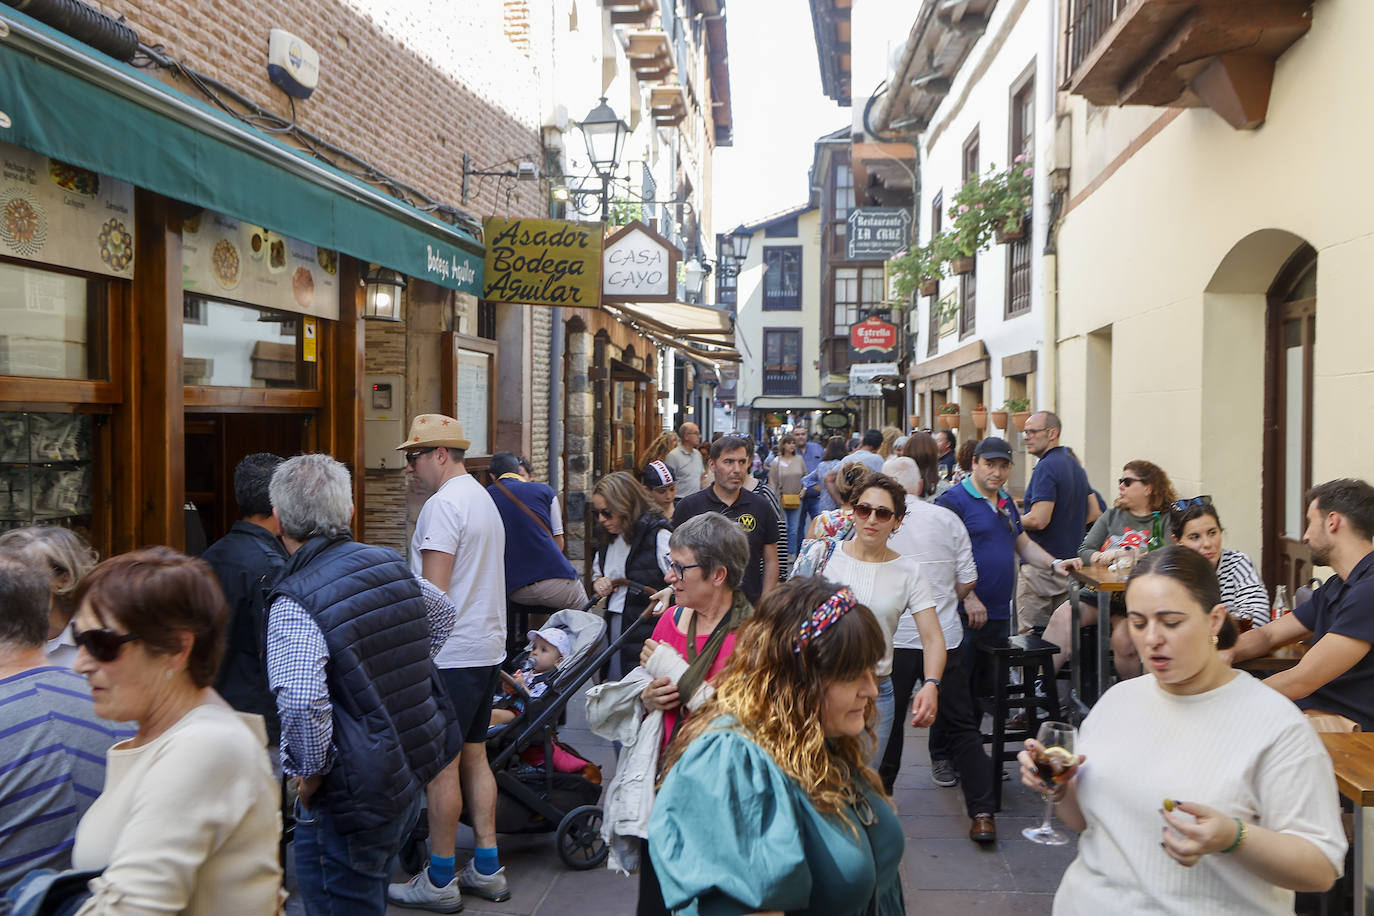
[382,289]
[525,170]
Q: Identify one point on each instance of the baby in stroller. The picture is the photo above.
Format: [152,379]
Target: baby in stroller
[548,648]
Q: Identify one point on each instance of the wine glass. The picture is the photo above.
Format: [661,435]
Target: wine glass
[1055,761]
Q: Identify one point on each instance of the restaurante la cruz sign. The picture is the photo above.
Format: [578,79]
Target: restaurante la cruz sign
[877,233]
[542,262]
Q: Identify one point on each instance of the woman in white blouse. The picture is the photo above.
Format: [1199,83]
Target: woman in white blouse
[890,585]
[1199,790]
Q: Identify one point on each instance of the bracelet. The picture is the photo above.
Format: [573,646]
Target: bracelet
[1240,836]
[933,680]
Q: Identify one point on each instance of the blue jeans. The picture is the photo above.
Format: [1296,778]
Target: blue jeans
[886,713]
[339,875]
[794,530]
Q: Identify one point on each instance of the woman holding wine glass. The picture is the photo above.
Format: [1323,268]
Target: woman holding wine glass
[1197,789]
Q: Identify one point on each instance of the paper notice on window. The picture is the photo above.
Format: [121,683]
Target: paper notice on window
[308,341]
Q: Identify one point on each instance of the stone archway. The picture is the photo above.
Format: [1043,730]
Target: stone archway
[1236,435]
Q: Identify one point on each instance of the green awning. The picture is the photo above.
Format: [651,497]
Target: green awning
[66,100]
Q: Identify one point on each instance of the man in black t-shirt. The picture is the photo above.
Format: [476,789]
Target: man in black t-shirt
[1337,673]
[754,515]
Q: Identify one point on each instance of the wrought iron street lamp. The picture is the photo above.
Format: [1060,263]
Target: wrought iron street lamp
[604,133]
[740,240]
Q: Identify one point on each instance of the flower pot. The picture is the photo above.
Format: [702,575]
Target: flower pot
[962,265]
[914,421]
[1019,419]
[999,419]
[1010,231]
[949,421]
[930,287]
[980,420]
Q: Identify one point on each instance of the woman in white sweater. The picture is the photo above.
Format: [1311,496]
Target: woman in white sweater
[891,586]
[189,819]
[1200,790]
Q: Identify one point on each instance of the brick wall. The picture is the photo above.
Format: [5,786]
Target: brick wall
[408,87]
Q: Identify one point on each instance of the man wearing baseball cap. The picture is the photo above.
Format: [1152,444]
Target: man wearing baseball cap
[459,545]
[995,532]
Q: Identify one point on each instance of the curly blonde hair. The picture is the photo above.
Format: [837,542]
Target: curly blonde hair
[890,435]
[776,695]
[658,449]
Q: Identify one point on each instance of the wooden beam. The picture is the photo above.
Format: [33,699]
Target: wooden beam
[1236,86]
[341,381]
[154,398]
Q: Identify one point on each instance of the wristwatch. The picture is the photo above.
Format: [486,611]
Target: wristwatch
[935,681]
[1053,564]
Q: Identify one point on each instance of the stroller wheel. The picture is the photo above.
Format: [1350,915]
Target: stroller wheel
[580,845]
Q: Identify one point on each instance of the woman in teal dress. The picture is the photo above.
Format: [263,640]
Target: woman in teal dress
[767,804]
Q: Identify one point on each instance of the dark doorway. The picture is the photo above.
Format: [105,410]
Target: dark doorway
[1290,334]
[215,444]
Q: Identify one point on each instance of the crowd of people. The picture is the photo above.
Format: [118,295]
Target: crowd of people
[813,597]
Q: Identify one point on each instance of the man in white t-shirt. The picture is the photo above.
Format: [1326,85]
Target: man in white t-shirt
[685,461]
[459,545]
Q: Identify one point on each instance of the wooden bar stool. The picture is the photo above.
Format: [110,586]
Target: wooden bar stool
[1032,657]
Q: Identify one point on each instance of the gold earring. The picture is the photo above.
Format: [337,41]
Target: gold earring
[1215,639]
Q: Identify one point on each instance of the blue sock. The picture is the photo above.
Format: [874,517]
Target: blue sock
[441,870]
[488,860]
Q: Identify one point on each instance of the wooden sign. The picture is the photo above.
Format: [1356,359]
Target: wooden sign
[542,262]
[639,265]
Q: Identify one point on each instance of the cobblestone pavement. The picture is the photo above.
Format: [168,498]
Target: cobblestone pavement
[942,871]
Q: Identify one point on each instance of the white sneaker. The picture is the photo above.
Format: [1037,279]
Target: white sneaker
[491,887]
[420,893]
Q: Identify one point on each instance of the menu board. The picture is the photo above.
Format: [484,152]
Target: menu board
[231,259]
[55,213]
[474,399]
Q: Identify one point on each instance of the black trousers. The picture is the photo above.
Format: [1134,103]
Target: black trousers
[957,720]
[650,894]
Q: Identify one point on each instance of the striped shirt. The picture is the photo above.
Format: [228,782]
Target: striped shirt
[297,672]
[1241,589]
[52,768]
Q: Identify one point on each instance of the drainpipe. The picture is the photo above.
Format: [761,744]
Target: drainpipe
[556,399]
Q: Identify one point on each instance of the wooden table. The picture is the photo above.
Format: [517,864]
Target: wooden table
[1106,582]
[1281,659]
[1352,756]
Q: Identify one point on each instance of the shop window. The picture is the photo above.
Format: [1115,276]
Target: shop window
[52,325]
[782,277]
[243,346]
[45,469]
[782,362]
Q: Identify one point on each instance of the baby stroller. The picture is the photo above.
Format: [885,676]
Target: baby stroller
[537,797]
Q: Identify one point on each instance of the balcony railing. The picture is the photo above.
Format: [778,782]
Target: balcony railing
[781,381]
[1088,22]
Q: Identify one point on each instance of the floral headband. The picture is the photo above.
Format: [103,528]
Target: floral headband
[835,607]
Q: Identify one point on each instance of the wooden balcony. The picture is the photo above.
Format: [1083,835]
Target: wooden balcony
[1182,53]
[883,173]
[631,12]
[668,104]
[650,53]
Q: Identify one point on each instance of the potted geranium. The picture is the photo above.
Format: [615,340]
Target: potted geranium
[971,228]
[1012,199]
[1019,408]
[918,268]
[980,418]
[948,415]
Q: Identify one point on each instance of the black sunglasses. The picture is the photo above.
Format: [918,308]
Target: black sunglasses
[1183,505]
[104,645]
[412,457]
[605,513]
[864,510]
[1127,481]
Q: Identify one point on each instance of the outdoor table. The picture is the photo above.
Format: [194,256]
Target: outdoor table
[1352,755]
[1281,659]
[1106,582]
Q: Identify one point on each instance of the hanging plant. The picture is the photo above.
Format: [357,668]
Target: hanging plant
[913,269]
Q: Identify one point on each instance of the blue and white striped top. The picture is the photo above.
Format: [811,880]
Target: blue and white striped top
[52,768]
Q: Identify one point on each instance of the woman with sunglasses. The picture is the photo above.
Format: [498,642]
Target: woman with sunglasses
[767,804]
[189,818]
[633,548]
[1142,490]
[849,478]
[891,586]
[1196,525]
[1199,790]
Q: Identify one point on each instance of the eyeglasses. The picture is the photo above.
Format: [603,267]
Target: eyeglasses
[864,510]
[1183,505]
[412,457]
[104,645]
[1127,481]
[678,569]
[604,513]
[1031,432]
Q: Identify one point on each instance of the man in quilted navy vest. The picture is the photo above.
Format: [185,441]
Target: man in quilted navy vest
[365,719]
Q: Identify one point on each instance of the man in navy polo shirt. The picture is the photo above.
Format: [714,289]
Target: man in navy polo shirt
[995,531]
[1337,673]
[1055,517]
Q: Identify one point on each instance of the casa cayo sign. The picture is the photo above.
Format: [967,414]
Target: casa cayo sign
[873,339]
[638,265]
